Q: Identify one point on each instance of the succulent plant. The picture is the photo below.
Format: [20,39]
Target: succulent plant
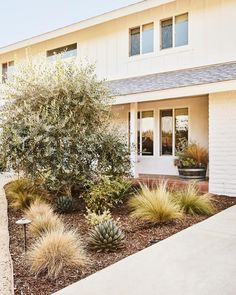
[106,236]
[64,204]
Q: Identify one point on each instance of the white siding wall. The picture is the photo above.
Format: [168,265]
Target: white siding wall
[222,143]
[211,40]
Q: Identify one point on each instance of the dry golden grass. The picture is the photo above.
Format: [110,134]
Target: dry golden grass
[198,153]
[55,251]
[22,192]
[154,205]
[191,202]
[38,208]
[46,222]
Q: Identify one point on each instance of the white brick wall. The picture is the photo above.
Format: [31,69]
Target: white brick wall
[222,143]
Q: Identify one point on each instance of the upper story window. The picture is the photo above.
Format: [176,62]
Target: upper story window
[7,70]
[142,39]
[174,31]
[65,52]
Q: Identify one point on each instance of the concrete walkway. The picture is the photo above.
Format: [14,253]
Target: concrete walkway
[6,271]
[200,260]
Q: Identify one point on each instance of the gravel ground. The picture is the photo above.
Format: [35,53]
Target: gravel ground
[138,237]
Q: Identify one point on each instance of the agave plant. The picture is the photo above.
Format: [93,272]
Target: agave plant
[106,236]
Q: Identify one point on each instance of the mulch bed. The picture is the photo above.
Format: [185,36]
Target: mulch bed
[138,237]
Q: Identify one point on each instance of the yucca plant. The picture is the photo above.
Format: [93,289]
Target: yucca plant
[55,251]
[106,236]
[46,222]
[154,205]
[64,204]
[38,208]
[192,202]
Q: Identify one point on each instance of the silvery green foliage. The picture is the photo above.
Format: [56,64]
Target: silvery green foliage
[56,124]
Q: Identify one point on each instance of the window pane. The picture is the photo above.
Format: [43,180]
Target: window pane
[147,133]
[166,132]
[10,69]
[65,51]
[4,72]
[181,30]
[166,33]
[147,38]
[181,127]
[135,41]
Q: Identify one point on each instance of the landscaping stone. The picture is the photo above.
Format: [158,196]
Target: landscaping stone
[6,271]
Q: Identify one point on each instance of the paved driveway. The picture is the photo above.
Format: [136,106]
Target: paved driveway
[200,260]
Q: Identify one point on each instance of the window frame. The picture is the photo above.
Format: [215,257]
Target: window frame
[173,18]
[141,39]
[8,64]
[154,132]
[173,128]
[50,49]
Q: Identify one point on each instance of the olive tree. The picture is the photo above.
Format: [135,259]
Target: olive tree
[56,124]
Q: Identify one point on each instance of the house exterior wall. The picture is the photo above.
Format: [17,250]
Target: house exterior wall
[222,143]
[210,40]
[198,130]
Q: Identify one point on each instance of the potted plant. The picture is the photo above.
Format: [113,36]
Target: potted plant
[192,161]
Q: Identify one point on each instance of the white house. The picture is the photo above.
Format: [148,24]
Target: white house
[172,66]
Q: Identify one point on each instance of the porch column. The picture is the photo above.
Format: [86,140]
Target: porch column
[133,138]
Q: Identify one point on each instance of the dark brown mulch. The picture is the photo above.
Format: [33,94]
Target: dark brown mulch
[138,237]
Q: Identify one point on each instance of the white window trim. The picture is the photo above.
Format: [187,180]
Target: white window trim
[173,128]
[141,54]
[173,33]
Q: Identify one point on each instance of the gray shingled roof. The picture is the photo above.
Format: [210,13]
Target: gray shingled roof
[174,79]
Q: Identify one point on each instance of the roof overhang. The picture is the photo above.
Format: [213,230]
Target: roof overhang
[84,24]
[181,92]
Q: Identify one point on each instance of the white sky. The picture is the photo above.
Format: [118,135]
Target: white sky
[21,19]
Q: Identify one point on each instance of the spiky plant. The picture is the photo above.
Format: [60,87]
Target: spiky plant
[44,223]
[154,205]
[55,251]
[192,202]
[106,236]
[64,204]
[38,208]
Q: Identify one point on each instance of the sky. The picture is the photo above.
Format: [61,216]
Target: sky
[22,19]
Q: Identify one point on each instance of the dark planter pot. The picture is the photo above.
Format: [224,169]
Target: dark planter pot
[192,173]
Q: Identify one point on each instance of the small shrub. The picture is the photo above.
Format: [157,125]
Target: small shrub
[38,208]
[22,192]
[154,206]
[22,200]
[46,222]
[95,218]
[191,202]
[55,251]
[107,193]
[106,236]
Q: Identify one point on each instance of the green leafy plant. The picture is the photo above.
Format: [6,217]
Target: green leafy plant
[191,156]
[55,251]
[154,205]
[106,193]
[96,218]
[192,202]
[56,125]
[106,236]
